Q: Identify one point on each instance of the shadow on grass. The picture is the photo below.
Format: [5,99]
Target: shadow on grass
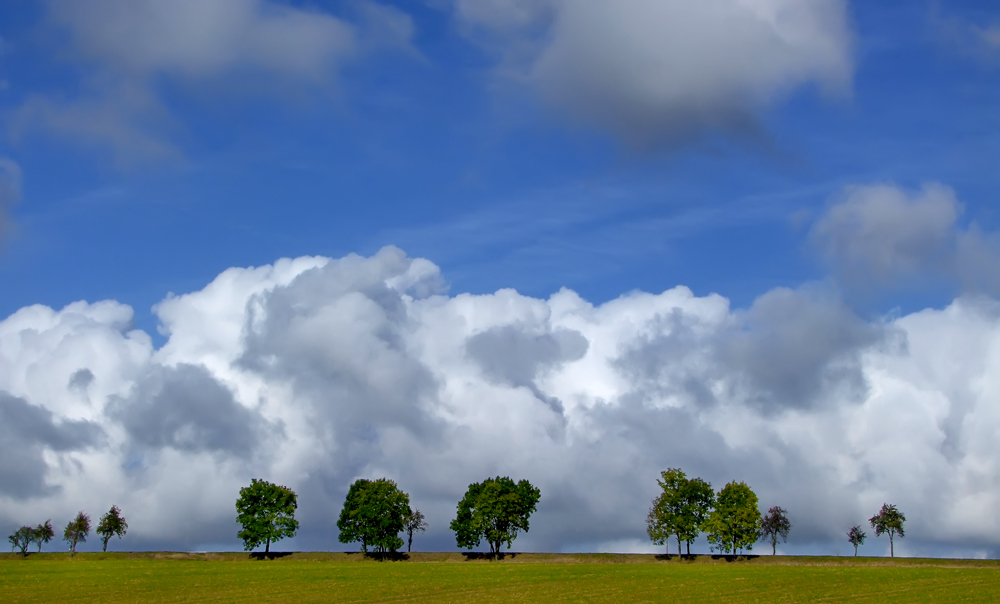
[269,555]
[669,557]
[488,556]
[731,558]
[381,557]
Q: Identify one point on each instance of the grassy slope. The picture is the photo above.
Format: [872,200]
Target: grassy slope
[318,577]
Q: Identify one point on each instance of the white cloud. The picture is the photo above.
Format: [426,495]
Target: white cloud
[882,236]
[128,49]
[665,71]
[315,371]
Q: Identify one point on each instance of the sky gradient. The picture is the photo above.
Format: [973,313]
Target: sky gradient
[574,242]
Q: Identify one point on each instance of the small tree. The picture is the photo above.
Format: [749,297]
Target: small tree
[77,531]
[43,534]
[413,522]
[495,510]
[111,524]
[775,524]
[699,499]
[267,513]
[373,513]
[664,517]
[21,539]
[734,525]
[857,537]
[888,520]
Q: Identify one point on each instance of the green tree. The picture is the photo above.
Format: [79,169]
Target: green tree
[775,524]
[374,511]
[680,510]
[43,534]
[857,537]
[412,523]
[888,520]
[111,524]
[21,539]
[266,512]
[495,510]
[77,531]
[734,525]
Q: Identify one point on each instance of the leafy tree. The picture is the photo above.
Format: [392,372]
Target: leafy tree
[680,510]
[374,512]
[857,537]
[495,510]
[76,531]
[775,524]
[888,520]
[111,524]
[734,525]
[21,539]
[413,522]
[267,513]
[43,533]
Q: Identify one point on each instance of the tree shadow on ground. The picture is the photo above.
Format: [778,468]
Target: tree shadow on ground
[732,558]
[382,557]
[668,557]
[487,555]
[269,555]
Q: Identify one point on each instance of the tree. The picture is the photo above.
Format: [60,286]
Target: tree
[76,531]
[374,511]
[699,499]
[734,525]
[495,510]
[413,522]
[111,524]
[775,524]
[857,537]
[21,539]
[888,520]
[43,534]
[267,513]
[680,509]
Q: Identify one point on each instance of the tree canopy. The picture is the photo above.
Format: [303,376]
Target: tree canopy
[775,524]
[111,524]
[374,512]
[495,510]
[734,525]
[888,520]
[43,533]
[21,539]
[267,513]
[77,531]
[680,510]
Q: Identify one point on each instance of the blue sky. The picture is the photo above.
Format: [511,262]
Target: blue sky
[430,149]
[754,238]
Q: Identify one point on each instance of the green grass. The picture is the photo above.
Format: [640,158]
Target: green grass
[318,577]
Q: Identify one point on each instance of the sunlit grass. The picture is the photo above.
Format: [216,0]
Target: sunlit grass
[300,578]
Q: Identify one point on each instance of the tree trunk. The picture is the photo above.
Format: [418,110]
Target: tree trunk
[855,551]
[409,544]
[689,549]
[891,553]
[267,548]
[679,545]
[774,546]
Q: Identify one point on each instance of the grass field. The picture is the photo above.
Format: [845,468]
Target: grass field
[322,577]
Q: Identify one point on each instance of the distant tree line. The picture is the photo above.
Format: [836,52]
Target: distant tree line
[76,531]
[687,507]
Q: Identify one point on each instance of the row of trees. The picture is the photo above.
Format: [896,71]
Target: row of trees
[731,519]
[77,531]
[375,512]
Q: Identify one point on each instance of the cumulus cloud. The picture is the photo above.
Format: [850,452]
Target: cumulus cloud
[657,72]
[129,49]
[882,236]
[313,372]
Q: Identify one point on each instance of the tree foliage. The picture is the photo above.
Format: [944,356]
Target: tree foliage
[734,524]
[111,524]
[888,520]
[413,522]
[77,531]
[43,533]
[374,512]
[267,513]
[680,510]
[495,510]
[775,524]
[857,537]
[21,539]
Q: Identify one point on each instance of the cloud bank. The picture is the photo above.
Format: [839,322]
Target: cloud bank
[313,372]
[662,72]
